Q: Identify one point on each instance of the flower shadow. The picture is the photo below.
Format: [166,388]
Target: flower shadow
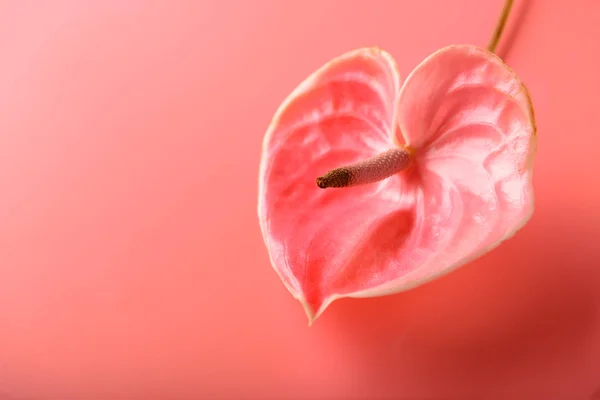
[506,322]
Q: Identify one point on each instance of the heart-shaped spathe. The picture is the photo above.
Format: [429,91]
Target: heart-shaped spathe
[469,124]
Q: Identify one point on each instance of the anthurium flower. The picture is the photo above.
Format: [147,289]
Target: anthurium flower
[369,186]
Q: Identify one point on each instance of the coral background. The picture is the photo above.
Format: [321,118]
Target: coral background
[131,260]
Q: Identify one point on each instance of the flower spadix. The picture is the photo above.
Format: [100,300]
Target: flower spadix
[368,186]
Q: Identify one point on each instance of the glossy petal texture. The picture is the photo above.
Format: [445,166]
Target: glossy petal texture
[470,122]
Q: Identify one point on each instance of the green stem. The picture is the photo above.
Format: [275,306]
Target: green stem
[500,26]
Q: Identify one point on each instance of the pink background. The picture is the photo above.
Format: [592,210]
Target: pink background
[131,260]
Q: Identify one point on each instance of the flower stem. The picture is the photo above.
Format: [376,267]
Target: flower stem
[500,26]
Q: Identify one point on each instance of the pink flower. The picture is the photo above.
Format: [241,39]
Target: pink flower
[412,180]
